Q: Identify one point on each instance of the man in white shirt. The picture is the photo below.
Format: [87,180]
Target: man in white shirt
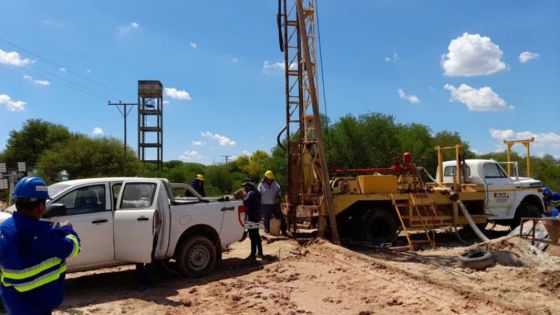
[270,201]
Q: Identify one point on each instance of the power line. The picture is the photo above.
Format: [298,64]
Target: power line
[70,85]
[60,66]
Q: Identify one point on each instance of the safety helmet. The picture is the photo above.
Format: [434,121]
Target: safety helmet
[545,191]
[199,177]
[248,182]
[268,174]
[32,188]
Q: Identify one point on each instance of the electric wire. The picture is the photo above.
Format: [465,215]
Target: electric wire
[65,82]
[59,66]
[57,81]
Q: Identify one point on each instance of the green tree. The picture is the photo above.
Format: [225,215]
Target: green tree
[252,166]
[84,157]
[220,177]
[36,136]
[417,140]
[547,170]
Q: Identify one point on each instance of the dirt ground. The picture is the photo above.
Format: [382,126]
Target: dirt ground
[320,278]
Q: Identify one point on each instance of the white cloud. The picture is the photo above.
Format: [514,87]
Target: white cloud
[125,29]
[61,69]
[411,98]
[198,143]
[269,67]
[394,58]
[166,102]
[477,100]
[472,55]
[234,60]
[40,82]
[194,45]
[12,105]
[97,131]
[181,95]
[527,56]
[222,140]
[13,58]
[189,155]
[501,134]
[544,142]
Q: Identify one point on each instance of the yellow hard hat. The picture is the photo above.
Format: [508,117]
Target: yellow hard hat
[268,174]
[199,177]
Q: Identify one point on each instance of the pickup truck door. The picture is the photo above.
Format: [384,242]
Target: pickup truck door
[500,189]
[88,208]
[231,229]
[135,219]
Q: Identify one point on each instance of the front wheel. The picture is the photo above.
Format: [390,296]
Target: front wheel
[196,257]
[524,210]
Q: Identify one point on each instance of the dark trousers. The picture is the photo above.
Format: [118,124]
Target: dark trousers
[273,211]
[256,244]
[144,273]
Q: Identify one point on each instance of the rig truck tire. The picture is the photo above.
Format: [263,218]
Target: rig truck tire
[524,210]
[379,226]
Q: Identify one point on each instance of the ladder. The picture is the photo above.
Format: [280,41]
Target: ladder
[408,213]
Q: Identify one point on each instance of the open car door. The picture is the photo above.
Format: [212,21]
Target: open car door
[135,220]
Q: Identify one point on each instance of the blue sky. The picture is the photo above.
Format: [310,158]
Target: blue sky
[489,70]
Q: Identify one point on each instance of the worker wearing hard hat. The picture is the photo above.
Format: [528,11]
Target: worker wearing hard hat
[33,252]
[198,185]
[270,201]
[551,199]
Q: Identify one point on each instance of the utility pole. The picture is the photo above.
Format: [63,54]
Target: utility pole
[124,113]
[226,157]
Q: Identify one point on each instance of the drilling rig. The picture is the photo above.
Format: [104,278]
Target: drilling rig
[371,205]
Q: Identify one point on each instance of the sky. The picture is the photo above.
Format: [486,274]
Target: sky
[489,70]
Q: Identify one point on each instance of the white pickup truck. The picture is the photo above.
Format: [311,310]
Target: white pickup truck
[508,199]
[138,220]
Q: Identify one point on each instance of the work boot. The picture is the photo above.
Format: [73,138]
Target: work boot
[251,257]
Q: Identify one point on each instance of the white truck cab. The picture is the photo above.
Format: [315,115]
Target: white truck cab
[507,198]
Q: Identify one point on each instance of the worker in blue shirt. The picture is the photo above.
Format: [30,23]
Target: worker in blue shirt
[551,198]
[252,202]
[33,253]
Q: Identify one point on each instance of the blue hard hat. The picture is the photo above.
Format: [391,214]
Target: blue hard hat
[545,191]
[31,187]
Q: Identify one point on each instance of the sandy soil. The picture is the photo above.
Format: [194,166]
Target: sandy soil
[321,278]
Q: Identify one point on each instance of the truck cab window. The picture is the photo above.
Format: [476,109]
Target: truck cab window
[84,200]
[450,171]
[493,170]
[138,195]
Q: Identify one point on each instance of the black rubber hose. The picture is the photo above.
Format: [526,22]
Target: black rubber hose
[279,22]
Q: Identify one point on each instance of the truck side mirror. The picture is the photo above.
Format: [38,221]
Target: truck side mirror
[55,210]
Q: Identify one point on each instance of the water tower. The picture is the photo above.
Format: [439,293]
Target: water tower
[150,122]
